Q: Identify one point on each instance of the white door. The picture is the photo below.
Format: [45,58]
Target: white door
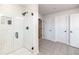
[28,32]
[74,30]
[17,32]
[61,28]
[49,28]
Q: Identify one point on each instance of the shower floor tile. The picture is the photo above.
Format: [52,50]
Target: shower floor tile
[21,51]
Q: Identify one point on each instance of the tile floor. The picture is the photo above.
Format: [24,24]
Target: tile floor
[56,48]
[21,51]
[48,48]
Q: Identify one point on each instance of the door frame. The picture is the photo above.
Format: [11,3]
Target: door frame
[39,19]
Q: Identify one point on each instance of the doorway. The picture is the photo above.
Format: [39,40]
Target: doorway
[40,28]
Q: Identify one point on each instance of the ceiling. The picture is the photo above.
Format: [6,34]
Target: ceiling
[51,8]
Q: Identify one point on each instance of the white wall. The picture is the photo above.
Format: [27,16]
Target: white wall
[10,11]
[39,16]
[48,17]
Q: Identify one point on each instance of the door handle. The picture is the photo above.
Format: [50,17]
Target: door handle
[70,31]
[65,31]
[16,35]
